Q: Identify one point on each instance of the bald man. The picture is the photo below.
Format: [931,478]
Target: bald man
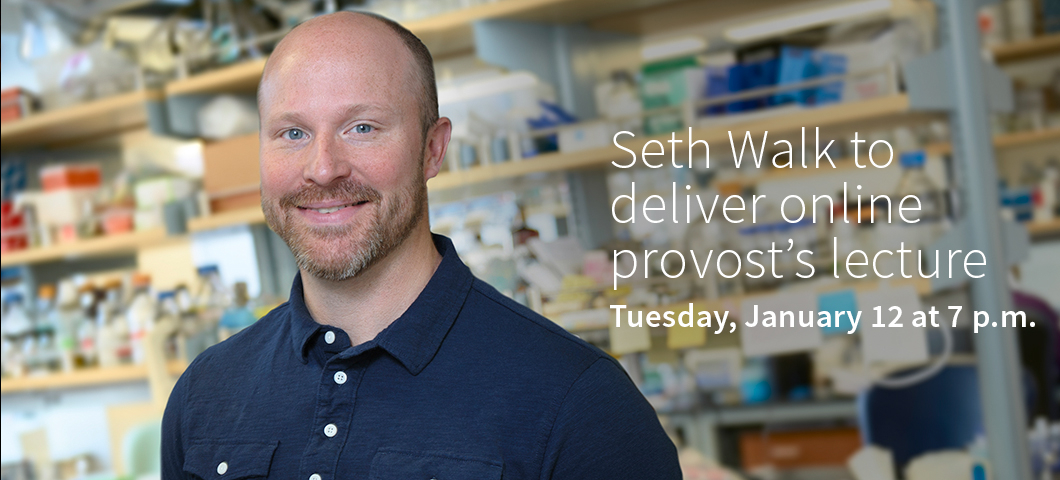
[390,360]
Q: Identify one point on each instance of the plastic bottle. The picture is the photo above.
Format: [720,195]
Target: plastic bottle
[140,316]
[166,322]
[87,330]
[1045,207]
[211,301]
[16,327]
[238,316]
[212,298]
[69,313]
[926,225]
[48,326]
[112,330]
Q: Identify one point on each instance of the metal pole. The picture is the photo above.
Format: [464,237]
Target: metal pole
[996,348]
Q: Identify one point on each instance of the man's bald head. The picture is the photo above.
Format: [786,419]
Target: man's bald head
[352,27]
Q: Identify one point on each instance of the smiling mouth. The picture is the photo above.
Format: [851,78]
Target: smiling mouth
[333,209]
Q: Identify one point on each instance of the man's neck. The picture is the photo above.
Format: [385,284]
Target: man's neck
[366,304]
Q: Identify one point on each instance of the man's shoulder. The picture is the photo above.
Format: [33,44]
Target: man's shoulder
[245,347]
[512,324]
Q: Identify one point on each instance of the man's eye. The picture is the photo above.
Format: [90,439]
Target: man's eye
[363,128]
[294,134]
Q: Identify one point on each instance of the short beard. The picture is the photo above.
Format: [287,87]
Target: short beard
[394,221]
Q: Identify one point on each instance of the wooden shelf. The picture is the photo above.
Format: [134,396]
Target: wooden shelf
[1006,140]
[444,34]
[650,20]
[1032,49]
[1020,139]
[239,78]
[109,245]
[93,119]
[88,377]
[783,412]
[879,109]
[1044,230]
[245,216]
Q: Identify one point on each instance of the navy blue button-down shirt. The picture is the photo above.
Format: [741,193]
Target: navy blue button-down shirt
[465,385]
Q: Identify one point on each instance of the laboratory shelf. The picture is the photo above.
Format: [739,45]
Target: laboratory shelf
[87,377]
[87,121]
[108,245]
[1032,49]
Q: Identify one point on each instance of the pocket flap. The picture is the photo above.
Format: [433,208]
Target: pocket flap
[408,465]
[229,460]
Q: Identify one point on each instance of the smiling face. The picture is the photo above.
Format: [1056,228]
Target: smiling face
[343,170]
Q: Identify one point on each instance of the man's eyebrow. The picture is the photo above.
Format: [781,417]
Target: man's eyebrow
[363,108]
[289,117]
[350,112]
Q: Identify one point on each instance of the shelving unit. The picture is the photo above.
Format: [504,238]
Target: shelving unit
[239,78]
[88,377]
[1044,230]
[110,245]
[1034,48]
[444,33]
[876,110]
[230,218]
[97,118]
[782,413]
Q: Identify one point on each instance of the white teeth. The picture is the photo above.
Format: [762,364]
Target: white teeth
[329,210]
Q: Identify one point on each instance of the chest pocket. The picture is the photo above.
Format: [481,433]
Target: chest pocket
[228,460]
[407,465]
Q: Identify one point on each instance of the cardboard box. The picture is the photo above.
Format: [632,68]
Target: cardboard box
[71,175]
[231,177]
[15,103]
[798,449]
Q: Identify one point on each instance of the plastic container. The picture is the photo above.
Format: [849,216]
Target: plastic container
[16,327]
[238,316]
[140,316]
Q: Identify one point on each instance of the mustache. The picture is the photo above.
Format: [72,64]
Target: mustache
[347,191]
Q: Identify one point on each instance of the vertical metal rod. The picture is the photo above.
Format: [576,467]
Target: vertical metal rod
[996,348]
[561,49]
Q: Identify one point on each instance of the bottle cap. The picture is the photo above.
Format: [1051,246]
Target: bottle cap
[141,280]
[913,159]
[207,269]
[46,292]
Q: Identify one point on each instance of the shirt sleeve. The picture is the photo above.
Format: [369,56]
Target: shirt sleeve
[173,432]
[606,429]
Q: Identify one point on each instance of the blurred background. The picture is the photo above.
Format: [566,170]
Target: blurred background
[133,239]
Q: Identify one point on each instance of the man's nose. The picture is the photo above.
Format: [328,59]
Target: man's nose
[326,162]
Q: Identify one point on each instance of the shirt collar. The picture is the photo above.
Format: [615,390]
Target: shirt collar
[412,339]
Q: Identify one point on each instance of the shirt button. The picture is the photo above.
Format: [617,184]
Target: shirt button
[329,337]
[222,468]
[330,430]
[314,476]
[340,377]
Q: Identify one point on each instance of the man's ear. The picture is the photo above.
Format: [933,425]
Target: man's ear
[435,146]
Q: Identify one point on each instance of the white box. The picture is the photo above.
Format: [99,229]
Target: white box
[59,207]
[585,136]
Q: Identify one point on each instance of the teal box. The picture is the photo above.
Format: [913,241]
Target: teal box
[840,301]
[664,84]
